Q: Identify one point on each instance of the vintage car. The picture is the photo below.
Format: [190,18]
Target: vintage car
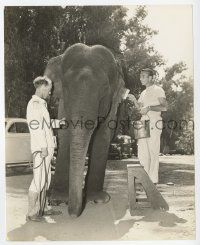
[121,147]
[17,145]
[17,142]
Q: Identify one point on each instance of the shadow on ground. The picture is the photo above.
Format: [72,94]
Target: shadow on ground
[110,221]
[95,223]
[179,174]
[98,222]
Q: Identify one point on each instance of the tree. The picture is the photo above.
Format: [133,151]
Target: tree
[178,132]
[30,40]
[92,25]
[35,34]
[138,52]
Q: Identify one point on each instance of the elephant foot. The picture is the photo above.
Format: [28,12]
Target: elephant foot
[74,215]
[98,197]
[75,205]
[75,209]
[57,198]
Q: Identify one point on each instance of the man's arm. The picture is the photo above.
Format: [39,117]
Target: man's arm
[35,123]
[161,107]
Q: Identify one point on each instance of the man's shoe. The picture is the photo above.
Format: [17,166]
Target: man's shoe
[54,202]
[51,212]
[36,218]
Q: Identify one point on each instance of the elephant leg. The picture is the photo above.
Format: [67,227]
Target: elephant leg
[97,167]
[60,190]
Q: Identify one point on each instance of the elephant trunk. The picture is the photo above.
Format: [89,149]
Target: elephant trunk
[79,141]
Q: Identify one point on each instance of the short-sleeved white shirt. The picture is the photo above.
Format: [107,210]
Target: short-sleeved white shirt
[149,97]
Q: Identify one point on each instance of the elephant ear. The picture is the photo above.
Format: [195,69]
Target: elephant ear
[121,92]
[54,72]
[119,95]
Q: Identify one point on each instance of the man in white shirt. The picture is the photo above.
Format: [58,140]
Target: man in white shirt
[42,147]
[152,102]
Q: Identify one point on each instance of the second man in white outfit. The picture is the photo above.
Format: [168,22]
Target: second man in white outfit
[152,102]
[42,147]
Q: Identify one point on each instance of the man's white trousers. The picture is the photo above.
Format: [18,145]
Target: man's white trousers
[148,153]
[41,174]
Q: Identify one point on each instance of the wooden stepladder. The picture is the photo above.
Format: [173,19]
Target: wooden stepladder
[137,173]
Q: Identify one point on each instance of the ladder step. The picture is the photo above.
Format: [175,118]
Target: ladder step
[137,174]
[134,165]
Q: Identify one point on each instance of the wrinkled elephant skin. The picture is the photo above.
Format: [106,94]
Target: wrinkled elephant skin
[89,89]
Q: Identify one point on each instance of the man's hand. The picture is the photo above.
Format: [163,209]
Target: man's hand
[133,113]
[136,115]
[62,121]
[44,152]
[131,98]
[144,110]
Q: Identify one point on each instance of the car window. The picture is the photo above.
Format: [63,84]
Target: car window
[12,128]
[22,127]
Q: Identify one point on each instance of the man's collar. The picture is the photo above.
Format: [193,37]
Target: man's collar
[151,86]
[36,97]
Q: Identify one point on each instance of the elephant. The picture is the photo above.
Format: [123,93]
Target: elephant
[90,88]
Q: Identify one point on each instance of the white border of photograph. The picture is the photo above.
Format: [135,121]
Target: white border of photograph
[196,31]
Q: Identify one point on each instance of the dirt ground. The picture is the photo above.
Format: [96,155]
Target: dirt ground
[112,221]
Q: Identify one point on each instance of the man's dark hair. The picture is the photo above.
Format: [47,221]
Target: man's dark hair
[151,72]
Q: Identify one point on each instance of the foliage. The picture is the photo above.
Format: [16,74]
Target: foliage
[185,142]
[138,53]
[30,40]
[179,116]
[35,34]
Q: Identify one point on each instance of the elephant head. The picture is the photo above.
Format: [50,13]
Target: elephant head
[90,88]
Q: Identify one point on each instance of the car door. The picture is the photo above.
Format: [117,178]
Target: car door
[18,143]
